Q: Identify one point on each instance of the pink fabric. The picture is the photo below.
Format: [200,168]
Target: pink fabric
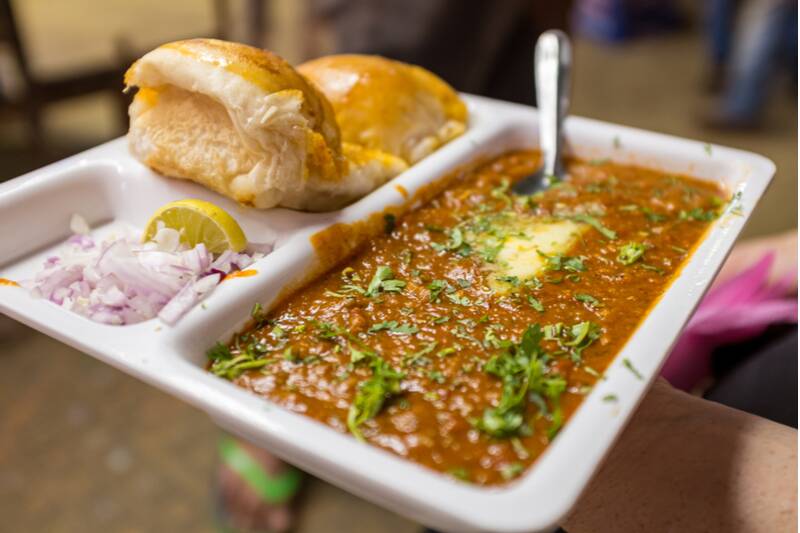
[736,310]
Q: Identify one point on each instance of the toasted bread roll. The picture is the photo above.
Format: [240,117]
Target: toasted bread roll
[387,105]
[244,123]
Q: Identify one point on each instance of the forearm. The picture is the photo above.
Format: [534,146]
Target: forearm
[686,464]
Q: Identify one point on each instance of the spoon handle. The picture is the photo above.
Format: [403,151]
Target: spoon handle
[552,61]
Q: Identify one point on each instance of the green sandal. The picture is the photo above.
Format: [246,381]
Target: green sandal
[271,489]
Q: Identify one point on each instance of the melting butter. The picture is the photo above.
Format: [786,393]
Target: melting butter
[523,251]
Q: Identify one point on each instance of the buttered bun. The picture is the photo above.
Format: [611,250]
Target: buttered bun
[386,105]
[244,123]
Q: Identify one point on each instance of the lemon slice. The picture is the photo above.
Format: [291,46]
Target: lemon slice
[199,221]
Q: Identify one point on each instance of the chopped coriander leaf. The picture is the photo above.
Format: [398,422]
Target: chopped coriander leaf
[459,473]
[520,368]
[630,253]
[278,332]
[652,216]
[511,470]
[356,355]
[707,148]
[256,312]
[573,339]
[416,356]
[435,375]
[393,327]
[659,271]
[559,262]
[489,253]
[587,299]
[519,448]
[629,207]
[610,398]
[328,330]
[596,224]
[679,249]
[436,287]
[235,367]
[573,264]
[455,243]
[591,371]
[458,300]
[627,364]
[383,280]
[219,352]
[698,214]
[501,192]
[444,352]
[228,366]
[371,395]
[536,304]
[289,355]
[735,205]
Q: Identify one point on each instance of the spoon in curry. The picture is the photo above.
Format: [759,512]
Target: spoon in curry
[551,63]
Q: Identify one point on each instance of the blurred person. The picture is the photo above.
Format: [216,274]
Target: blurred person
[477,47]
[719,26]
[765,37]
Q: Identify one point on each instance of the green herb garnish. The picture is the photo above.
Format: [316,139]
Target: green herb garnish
[521,369]
[587,299]
[511,470]
[458,300]
[459,473]
[371,395]
[627,364]
[455,243]
[596,224]
[698,214]
[228,366]
[383,280]
[392,326]
[535,303]
[630,253]
[652,216]
[436,287]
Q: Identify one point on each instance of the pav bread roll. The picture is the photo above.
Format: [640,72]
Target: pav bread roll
[386,105]
[243,122]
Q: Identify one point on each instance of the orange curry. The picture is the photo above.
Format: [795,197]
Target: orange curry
[466,335]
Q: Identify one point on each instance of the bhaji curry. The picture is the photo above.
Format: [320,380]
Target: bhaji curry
[465,336]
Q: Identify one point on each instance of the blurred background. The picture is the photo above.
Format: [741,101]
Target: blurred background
[86,448]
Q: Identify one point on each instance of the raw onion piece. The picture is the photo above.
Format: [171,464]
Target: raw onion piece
[123,281]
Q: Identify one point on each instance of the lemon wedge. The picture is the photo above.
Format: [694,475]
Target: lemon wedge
[199,221]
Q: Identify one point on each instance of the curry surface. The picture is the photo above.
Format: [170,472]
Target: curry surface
[406,363]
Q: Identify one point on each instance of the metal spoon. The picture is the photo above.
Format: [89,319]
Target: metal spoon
[551,63]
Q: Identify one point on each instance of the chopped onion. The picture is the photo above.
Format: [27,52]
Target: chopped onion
[123,281]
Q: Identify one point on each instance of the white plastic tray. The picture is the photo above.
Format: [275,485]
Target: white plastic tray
[108,187]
